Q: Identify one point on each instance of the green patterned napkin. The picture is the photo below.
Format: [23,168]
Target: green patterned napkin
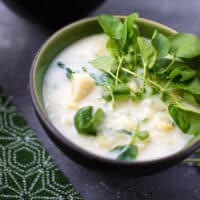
[26,170]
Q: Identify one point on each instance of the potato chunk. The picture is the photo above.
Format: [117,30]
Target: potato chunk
[82,84]
[166,126]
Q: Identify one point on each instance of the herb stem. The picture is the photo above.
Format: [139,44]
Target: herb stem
[134,136]
[118,69]
[139,76]
[144,77]
[170,64]
[155,84]
[116,78]
[132,73]
[167,84]
[174,99]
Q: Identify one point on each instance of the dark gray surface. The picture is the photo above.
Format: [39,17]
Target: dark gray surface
[19,41]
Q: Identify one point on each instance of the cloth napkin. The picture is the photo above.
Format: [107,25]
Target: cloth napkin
[26,170]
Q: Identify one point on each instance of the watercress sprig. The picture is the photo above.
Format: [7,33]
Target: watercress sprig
[165,63]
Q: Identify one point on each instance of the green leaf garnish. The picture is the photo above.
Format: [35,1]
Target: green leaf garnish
[184,45]
[192,86]
[105,64]
[188,121]
[69,73]
[61,64]
[166,66]
[143,135]
[112,26]
[126,152]
[147,51]
[86,122]
[161,44]
[124,131]
[191,98]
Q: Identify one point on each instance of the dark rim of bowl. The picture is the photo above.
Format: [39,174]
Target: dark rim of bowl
[186,151]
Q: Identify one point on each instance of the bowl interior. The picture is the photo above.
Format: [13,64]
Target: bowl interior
[69,34]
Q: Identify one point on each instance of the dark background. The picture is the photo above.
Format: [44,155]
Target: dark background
[20,39]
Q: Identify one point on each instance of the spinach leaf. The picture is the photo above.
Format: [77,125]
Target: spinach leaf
[112,26]
[105,63]
[161,44]
[147,51]
[126,152]
[188,121]
[184,45]
[191,86]
[86,122]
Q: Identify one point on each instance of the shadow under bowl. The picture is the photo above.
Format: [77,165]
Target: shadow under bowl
[51,48]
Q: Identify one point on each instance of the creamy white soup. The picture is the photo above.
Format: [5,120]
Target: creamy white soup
[70,84]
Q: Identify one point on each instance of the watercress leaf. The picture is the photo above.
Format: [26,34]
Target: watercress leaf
[104,63]
[126,152]
[113,47]
[192,86]
[82,119]
[111,25]
[130,23]
[128,28]
[165,96]
[148,52]
[161,65]
[107,96]
[96,120]
[184,45]
[181,71]
[102,79]
[124,34]
[87,123]
[174,73]
[188,74]
[161,44]
[190,98]
[138,96]
[143,135]
[188,121]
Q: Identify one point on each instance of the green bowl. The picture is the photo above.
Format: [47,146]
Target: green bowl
[51,48]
